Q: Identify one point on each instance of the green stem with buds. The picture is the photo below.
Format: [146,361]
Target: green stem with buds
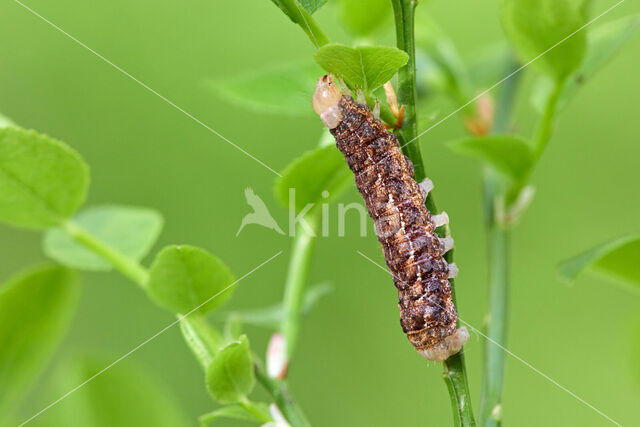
[278,390]
[454,374]
[496,328]
[498,237]
[202,339]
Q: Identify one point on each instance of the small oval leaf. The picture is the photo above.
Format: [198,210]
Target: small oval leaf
[547,31]
[619,258]
[509,155]
[185,277]
[129,230]
[42,180]
[363,67]
[36,307]
[312,5]
[285,89]
[293,8]
[605,40]
[319,170]
[602,44]
[230,377]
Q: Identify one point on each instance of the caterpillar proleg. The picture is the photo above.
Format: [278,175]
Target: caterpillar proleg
[405,228]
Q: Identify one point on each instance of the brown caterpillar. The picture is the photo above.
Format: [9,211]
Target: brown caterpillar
[405,228]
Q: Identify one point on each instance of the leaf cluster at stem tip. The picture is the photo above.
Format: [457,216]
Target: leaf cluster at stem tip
[43,184]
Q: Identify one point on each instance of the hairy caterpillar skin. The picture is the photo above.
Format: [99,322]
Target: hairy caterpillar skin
[405,228]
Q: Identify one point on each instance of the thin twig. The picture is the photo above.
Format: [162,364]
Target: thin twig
[296,283]
[498,238]
[455,375]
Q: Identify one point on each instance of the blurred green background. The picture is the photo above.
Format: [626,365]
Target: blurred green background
[354,366]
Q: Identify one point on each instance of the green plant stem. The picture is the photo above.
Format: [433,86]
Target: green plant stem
[496,328]
[202,339]
[300,16]
[278,390]
[404,17]
[296,283]
[130,268]
[541,138]
[498,237]
[454,374]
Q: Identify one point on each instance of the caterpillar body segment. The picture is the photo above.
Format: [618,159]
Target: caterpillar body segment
[405,228]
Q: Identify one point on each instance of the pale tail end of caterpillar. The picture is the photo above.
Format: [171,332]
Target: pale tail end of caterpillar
[405,228]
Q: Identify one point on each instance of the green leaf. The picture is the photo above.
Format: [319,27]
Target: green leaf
[230,377]
[319,170]
[42,181]
[549,31]
[363,17]
[284,89]
[235,412]
[603,43]
[509,155]
[363,67]
[128,230]
[36,307]
[271,317]
[292,8]
[6,122]
[312,5]
[124,395]
[185,277]
[619,258]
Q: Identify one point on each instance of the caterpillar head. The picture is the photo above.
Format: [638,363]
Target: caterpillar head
[326,101]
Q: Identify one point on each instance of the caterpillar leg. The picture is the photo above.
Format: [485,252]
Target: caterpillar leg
[453,270]
[426,185]
[447,347]
[441,219]
[447,242]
